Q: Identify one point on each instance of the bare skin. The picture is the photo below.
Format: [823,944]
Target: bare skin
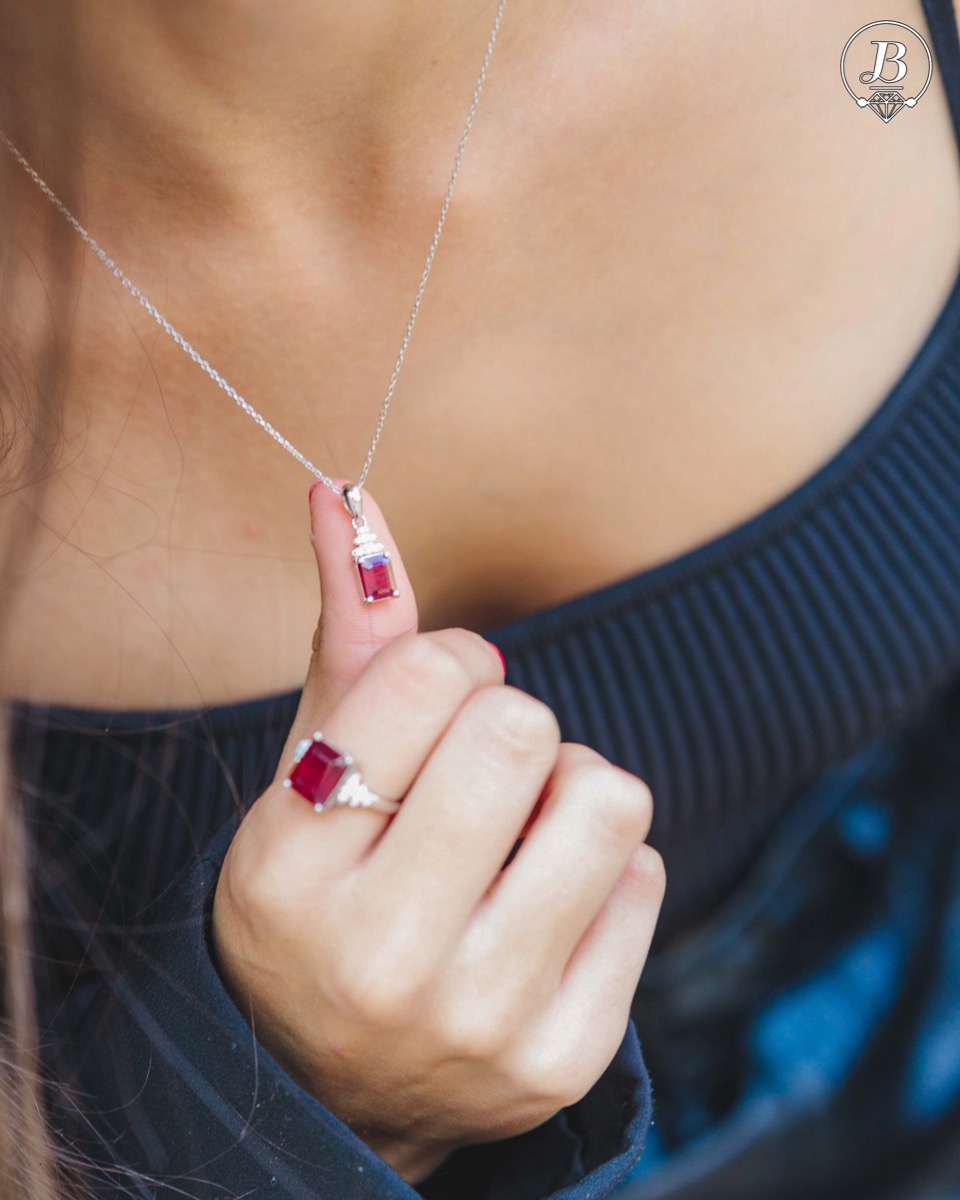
[680,306]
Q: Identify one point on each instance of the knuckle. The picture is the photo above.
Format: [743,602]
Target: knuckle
[516,725]
[422,667]
[575,755]
[629,806]
[646,874]
[473,1033]
[481,658]
[370,990]
[254,881]
[552,1075]
[620,804]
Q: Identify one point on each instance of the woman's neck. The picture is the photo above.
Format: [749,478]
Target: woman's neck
[237,101]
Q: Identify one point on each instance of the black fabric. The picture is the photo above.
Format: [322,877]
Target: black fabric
[174,1085]
[169,1084]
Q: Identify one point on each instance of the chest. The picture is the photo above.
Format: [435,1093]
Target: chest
[657,320]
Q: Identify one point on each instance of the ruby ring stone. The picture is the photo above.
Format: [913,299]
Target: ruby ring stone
[319,770]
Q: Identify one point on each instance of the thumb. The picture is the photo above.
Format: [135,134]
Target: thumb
[350,631]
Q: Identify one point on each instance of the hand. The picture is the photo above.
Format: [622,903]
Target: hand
[425,995]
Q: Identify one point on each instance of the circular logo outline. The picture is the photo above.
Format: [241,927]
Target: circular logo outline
[862,101]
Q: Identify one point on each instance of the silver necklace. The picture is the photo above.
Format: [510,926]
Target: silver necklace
[372,562]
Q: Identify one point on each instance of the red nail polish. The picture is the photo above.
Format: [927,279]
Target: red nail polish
[313,487]
[503,661]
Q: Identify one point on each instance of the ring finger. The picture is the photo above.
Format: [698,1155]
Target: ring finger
[389,722]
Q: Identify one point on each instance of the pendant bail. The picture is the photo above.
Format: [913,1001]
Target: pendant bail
[352,501]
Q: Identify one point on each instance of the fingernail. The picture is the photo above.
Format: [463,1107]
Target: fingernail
[313,487]
[503,661]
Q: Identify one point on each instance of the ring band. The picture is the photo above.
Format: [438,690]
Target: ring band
[328,778]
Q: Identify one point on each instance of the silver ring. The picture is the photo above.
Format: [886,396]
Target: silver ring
[328,778]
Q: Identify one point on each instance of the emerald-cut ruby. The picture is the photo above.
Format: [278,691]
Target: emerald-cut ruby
[318,772]
[376,578]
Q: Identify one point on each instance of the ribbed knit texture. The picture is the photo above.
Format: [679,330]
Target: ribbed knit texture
[727,678]
[731,677]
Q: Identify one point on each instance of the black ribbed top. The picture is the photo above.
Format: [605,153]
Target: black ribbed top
[728,677]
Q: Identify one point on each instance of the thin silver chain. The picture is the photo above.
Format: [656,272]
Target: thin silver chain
[198,358]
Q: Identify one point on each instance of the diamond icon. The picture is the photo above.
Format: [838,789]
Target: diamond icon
[886,105]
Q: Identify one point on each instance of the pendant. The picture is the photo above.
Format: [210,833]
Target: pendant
[374,569]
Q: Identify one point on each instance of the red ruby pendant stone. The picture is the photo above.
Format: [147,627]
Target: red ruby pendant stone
[317,774]
[376,578]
